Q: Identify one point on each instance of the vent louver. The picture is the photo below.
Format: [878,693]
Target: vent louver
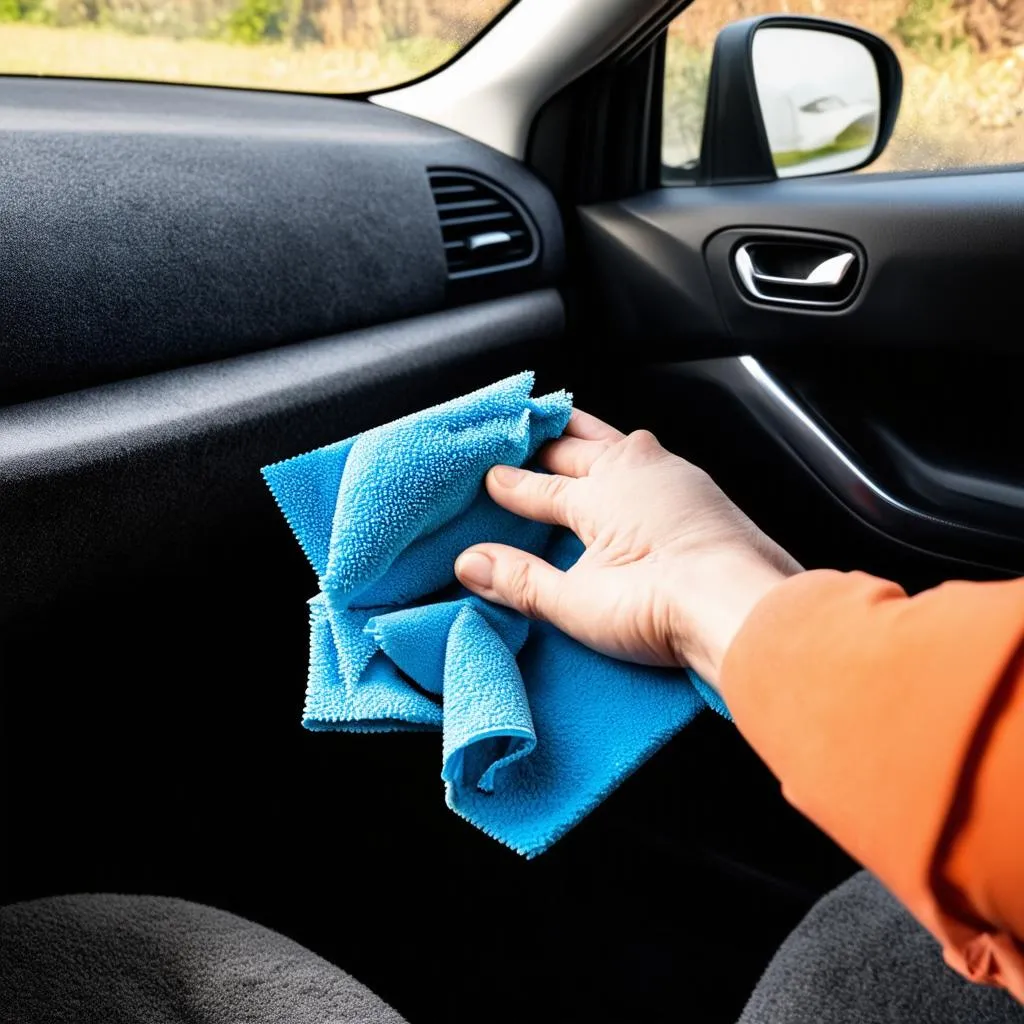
[485,230]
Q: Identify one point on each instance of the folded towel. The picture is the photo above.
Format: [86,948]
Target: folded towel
[536,729]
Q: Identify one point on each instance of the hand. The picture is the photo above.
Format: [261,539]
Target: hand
[671,569]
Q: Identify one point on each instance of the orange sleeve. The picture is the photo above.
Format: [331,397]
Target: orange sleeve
[897,724]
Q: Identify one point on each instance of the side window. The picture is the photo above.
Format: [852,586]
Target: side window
[963,77]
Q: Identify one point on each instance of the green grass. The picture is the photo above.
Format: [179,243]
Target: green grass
[930,28]
[857,136]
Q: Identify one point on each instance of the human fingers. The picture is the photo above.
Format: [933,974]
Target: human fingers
[542,497]
[514,579]
[589,428]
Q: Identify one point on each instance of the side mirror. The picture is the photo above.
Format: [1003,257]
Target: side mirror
[791,96]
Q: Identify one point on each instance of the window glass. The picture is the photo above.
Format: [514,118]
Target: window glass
[326,46]
[963,77]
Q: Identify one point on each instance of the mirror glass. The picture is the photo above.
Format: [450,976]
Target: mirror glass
[819,97]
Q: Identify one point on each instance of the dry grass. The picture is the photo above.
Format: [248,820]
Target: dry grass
[957,111]
[959,108]
[97,53]
[698,25]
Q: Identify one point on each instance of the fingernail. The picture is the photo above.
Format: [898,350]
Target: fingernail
[507,476]
[474,567]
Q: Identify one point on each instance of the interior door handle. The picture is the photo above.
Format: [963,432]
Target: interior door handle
[823,284]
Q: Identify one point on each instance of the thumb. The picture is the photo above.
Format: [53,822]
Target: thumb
[513,578]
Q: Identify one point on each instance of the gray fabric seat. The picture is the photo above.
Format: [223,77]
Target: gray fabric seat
[151,960]
[859,957]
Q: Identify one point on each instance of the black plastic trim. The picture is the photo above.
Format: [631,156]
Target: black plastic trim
[600,137]
[943,256]
[982,499]
[825,457]
[501,193]
[734,147]
[101,479]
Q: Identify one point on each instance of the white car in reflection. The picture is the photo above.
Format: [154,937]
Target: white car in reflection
[803,127]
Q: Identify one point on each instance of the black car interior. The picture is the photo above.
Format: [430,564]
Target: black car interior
[198,282]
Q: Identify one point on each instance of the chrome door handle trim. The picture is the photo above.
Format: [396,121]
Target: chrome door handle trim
[827,274]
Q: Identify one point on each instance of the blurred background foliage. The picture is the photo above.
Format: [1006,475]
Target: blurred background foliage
[963,60]
[359,24]
[963,68]
[300,45]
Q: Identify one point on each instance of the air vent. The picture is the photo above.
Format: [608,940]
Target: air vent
[485,230]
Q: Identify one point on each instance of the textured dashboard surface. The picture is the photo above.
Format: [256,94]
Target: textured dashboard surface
[131,472]
[144,227]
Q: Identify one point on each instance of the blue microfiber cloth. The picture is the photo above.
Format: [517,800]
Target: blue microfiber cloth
[536,729]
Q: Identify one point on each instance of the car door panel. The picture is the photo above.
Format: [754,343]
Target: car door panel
[974,535]
[833,387]
[123,473]
[942,254]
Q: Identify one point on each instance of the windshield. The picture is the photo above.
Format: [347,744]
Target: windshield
[324,46]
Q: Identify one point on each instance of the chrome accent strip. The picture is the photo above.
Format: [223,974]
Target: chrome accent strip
[825,446]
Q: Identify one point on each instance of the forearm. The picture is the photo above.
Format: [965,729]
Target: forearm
[878,713]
